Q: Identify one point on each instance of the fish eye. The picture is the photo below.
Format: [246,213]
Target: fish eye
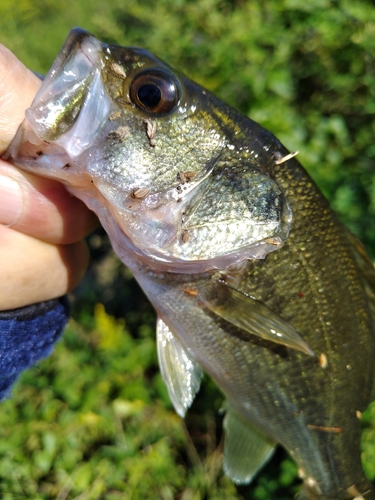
[154,91]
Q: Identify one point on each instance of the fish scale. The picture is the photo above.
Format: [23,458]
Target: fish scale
[253,277]
[331,306]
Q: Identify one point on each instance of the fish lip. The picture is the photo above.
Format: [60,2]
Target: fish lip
[87,51]
[77,39]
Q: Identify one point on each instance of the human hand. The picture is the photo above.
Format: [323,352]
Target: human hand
[42,252]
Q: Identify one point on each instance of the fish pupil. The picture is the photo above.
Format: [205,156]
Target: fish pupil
[149,95]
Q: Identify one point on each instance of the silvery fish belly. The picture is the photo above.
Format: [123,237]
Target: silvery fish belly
[253,278]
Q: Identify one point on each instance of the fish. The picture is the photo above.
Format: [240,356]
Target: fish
[254,279]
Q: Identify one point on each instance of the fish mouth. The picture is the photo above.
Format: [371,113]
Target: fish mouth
[68,80]
[67,112]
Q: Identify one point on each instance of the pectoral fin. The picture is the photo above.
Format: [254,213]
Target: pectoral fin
[181,373]
[245,450]
[254,317]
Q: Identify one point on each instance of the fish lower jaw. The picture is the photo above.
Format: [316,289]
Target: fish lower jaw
[161,262]
[162,252]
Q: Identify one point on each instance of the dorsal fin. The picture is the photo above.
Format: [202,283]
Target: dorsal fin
[367,271]
[366,268]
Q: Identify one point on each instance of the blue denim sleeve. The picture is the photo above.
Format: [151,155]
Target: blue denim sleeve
[28,335]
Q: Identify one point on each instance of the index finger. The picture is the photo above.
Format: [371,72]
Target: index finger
[18,87]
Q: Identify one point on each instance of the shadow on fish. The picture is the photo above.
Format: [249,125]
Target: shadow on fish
[254,279]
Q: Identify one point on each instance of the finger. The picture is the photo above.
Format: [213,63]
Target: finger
[18,86]
[42,208]
[33,271]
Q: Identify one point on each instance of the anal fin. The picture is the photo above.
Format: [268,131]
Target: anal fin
[245,449]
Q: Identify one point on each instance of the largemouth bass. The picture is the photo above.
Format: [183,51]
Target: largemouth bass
[254,279]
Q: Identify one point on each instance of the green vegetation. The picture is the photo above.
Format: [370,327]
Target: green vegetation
[94,421]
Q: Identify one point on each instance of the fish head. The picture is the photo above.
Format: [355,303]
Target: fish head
[176,176]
